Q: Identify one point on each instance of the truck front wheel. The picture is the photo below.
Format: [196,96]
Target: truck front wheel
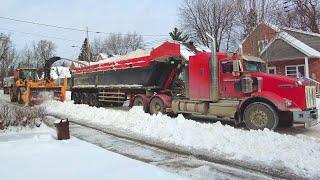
[260,115]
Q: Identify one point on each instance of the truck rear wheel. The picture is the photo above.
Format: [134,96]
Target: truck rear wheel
[260,115]
[77,98]
[82,97]
[138,101]
[91,99]
[157,105]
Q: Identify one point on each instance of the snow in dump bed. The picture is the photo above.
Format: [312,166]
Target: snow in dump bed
[38,155]
[184,51]
[300,153]
[60,72]
[134,54]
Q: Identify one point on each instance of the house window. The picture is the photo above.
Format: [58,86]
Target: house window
[262,44]
[295,70]
[272,70]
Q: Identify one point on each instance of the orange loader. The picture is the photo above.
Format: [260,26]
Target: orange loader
[29,90]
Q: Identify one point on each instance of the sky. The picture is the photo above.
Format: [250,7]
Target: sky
[146,17]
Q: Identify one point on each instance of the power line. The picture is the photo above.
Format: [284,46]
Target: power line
[39,35]
[72,28]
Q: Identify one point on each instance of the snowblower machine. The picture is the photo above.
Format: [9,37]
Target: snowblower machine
[29,90]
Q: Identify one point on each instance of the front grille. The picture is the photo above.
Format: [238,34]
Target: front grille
[310,96]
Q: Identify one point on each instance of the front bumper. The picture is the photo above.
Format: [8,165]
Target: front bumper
[309,117]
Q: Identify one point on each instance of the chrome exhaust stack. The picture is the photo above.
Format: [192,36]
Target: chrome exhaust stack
[214,72]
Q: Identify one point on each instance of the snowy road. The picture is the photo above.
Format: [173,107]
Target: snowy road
[182,164]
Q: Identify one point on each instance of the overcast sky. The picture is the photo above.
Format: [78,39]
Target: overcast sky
[155,17]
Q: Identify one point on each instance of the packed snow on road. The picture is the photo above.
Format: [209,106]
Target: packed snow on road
[299,154]
[36,154]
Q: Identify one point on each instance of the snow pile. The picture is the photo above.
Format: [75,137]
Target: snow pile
[300,154]
[60,72]
[134,54]
[38,155]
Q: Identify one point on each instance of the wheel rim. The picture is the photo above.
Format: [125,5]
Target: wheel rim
[156,106]
[259,119]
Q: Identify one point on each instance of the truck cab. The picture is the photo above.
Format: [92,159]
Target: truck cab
[246,93]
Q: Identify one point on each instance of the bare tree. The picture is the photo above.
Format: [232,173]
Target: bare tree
[7,55]
[97,46]
[42,51]
[305,14]
[117,43]
[123,44]
[212,16]
[25,58]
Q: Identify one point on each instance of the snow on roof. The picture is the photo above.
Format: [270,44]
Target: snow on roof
[252,58]
[300,31]
[134,54]
[60,72]
[302,47]
[103,55]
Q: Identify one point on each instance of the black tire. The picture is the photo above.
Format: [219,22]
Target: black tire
[19,95]
[12,96]
[138,101]
[85,97]
[187,115]
[260,115]
[157,105]
[91,99]
[96,101]
[77,97]
[82,98]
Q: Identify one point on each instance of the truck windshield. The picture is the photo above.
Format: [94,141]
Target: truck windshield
[255,66]
[30,74]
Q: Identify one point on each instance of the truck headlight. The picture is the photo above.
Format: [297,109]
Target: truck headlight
[288,103]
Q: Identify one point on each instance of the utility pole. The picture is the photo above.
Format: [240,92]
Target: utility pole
[88,45]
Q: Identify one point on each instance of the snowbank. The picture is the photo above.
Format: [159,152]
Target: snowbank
[300,154]
[37,155]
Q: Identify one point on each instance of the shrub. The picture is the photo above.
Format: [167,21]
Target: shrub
[20,116]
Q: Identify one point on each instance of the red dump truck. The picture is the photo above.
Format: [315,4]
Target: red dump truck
[178,78]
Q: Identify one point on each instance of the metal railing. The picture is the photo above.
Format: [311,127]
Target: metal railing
[317,84]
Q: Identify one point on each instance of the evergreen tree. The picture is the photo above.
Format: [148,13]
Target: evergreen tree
[85,54]
[177,35]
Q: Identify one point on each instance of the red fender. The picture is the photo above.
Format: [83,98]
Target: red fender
[267,96]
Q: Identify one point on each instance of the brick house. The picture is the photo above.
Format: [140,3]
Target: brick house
[286,51]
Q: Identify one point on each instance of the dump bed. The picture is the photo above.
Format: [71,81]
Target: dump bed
[151,70]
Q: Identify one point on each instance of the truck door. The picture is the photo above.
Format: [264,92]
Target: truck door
[230,85]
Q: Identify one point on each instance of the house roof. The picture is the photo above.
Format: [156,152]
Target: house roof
[307,43]
[294,42]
